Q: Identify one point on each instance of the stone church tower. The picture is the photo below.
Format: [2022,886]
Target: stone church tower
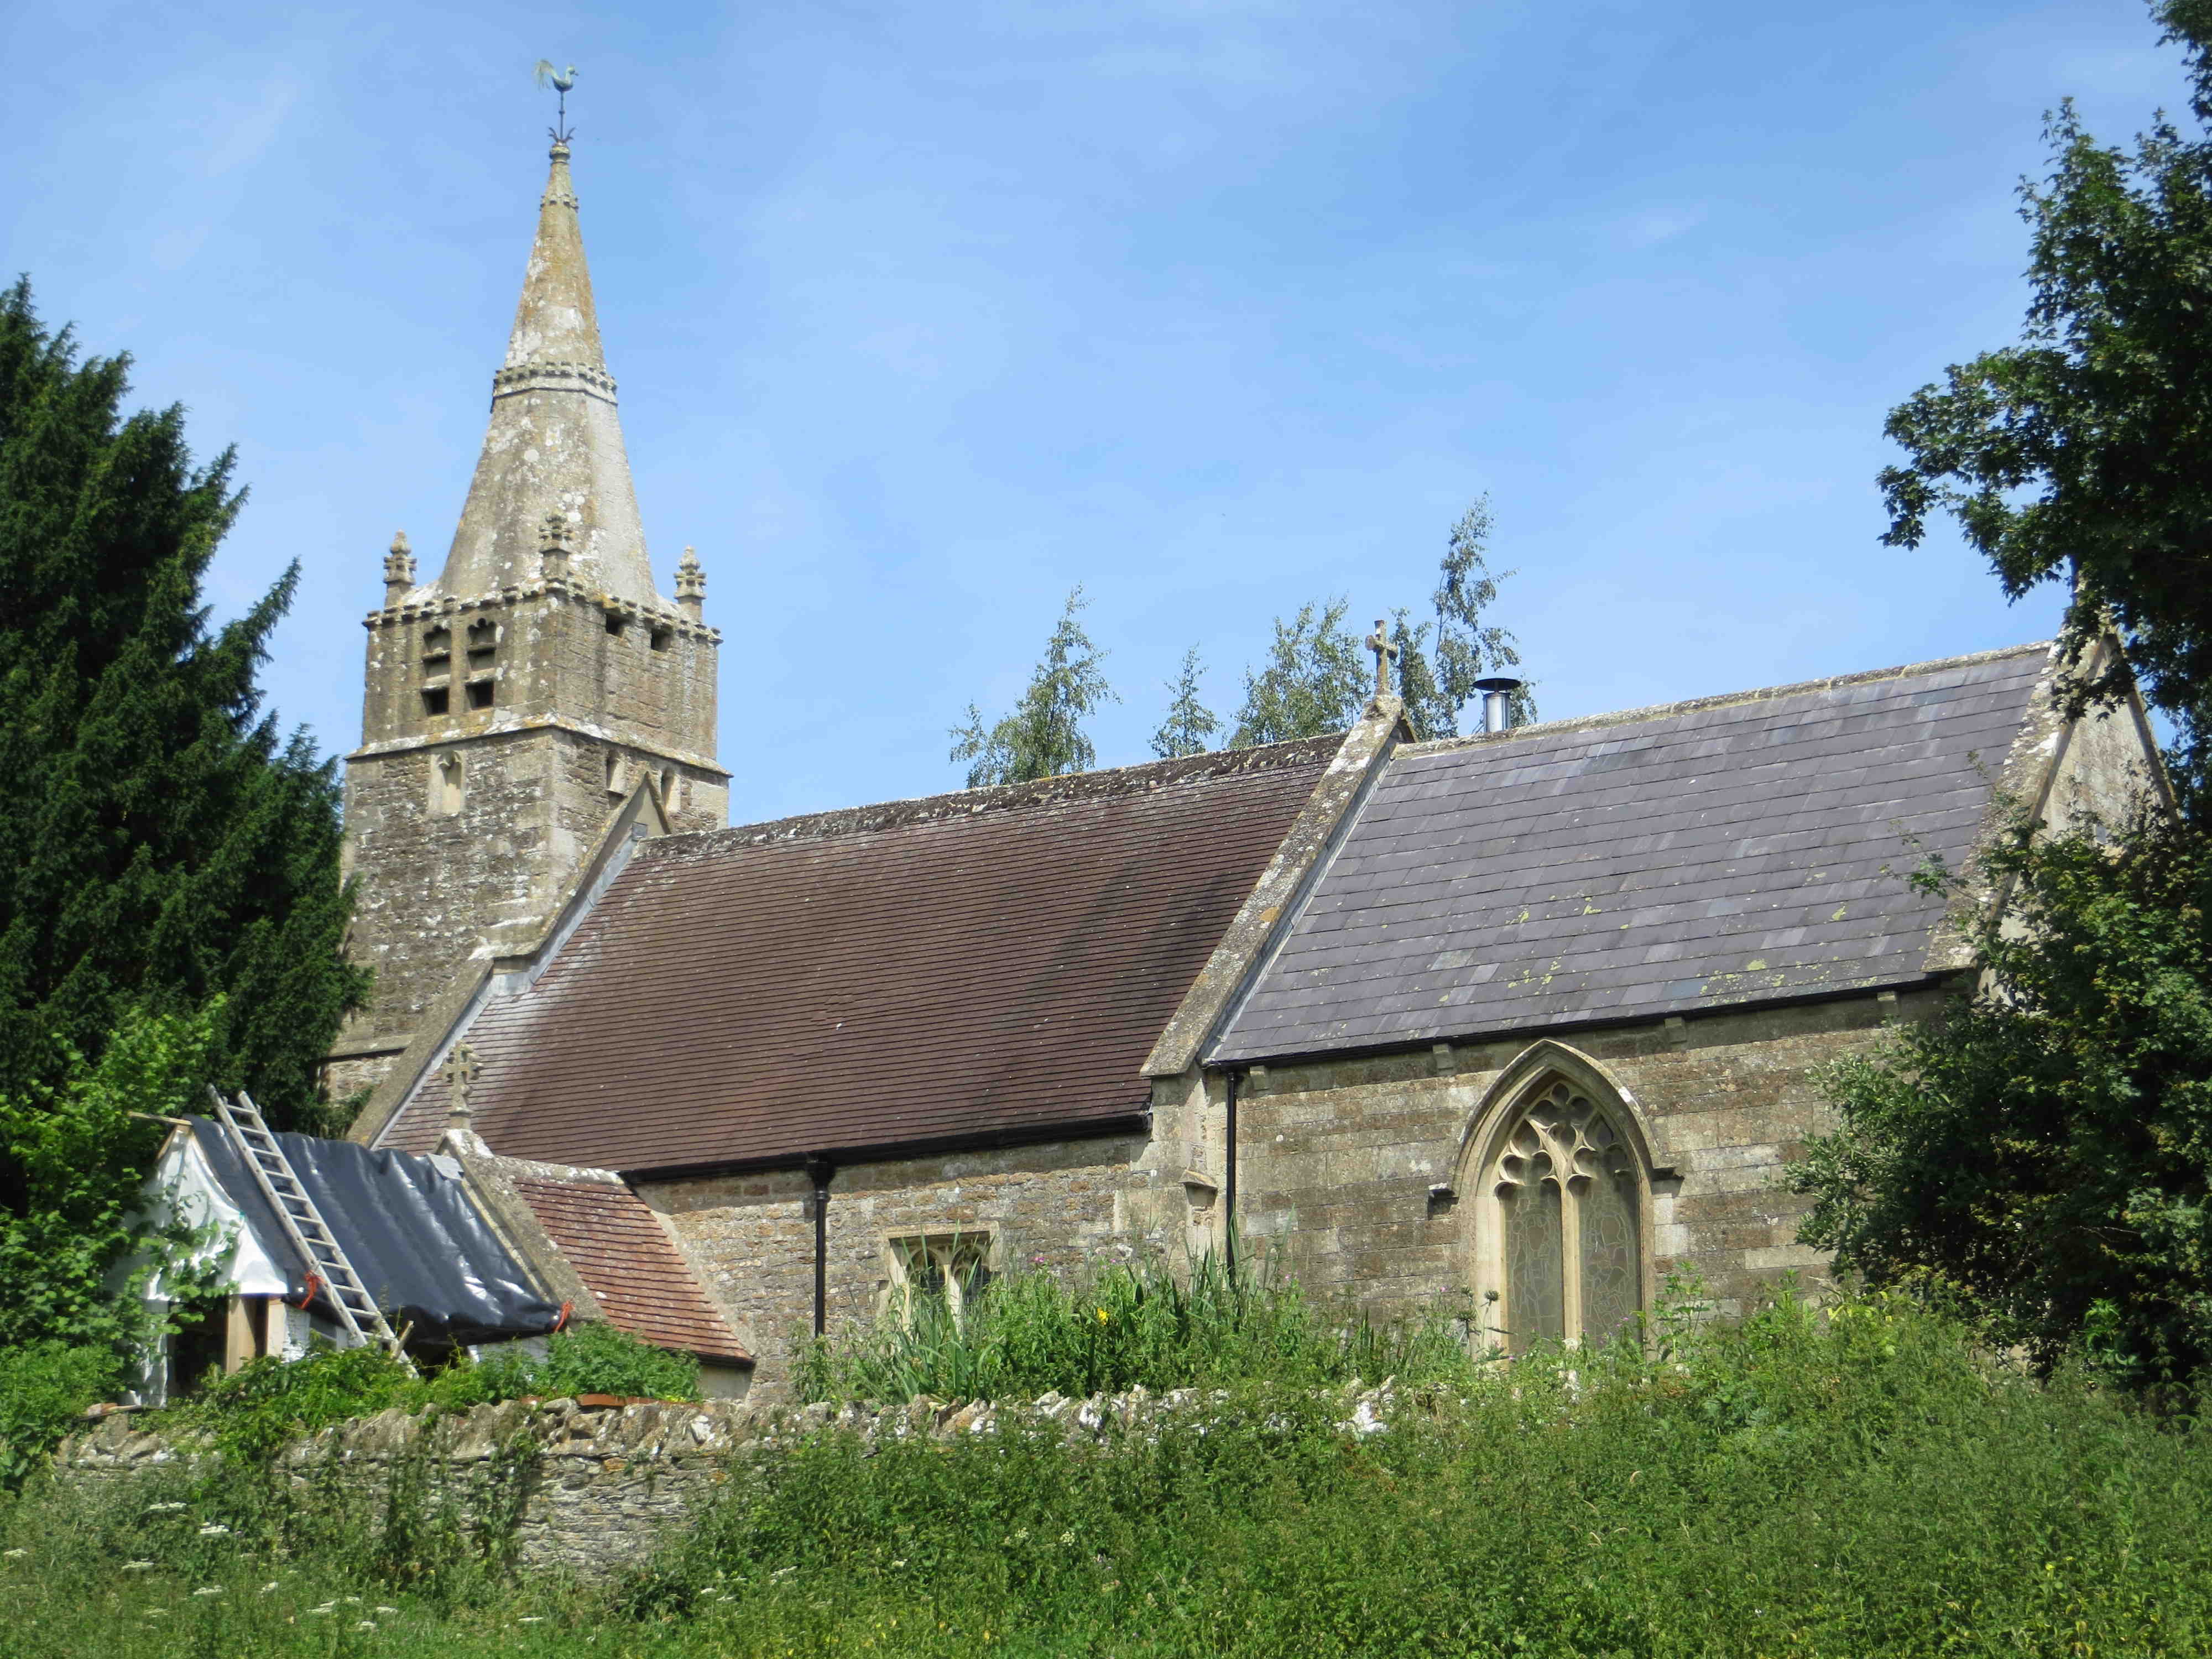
[514,702]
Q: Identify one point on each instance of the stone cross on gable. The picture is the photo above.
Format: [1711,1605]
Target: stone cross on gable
[1385,654]
[460,1070]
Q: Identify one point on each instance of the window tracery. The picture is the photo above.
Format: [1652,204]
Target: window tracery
[1567,1188]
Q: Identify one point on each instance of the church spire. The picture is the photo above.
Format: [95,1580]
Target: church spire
[554,441]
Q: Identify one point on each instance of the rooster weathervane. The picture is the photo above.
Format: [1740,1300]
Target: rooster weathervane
[560,81]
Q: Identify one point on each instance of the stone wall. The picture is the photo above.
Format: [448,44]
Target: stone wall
[603,1483]
[750,1238]
[466,827]
[1338,1163]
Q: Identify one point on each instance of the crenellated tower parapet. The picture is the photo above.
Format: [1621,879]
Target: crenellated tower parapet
[510,705]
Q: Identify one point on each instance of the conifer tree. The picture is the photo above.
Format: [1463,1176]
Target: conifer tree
[1044,738]
[162,850]
[1189,724]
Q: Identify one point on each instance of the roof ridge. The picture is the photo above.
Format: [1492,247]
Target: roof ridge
[1723,700]
[1106,783]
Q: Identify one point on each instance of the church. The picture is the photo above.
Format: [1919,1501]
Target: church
[1519,1023]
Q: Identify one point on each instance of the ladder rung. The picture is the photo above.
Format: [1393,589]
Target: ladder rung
[356,1309]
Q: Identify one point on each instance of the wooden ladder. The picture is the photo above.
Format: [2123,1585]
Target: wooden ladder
[311,1236]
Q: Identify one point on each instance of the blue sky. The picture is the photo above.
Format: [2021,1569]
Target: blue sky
[923,314]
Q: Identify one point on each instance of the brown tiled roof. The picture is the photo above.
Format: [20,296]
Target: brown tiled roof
[619,1249]
[996,962]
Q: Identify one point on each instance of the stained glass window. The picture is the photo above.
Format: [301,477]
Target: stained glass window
[1566,1186]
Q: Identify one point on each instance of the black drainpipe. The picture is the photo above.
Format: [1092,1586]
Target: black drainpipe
[1228,1176]
[820,1170]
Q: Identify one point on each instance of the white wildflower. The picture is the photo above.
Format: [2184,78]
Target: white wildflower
[350,1601]
[366,1623]
[533,1618]
[268,1587]
[215,1530]
[136,1566]
[208,1590]
[387,1612]
[14,1555]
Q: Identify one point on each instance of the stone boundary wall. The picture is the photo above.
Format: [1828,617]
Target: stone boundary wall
[604,1481]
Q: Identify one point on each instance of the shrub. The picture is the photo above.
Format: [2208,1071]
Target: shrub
[44,1390]
[271,1401]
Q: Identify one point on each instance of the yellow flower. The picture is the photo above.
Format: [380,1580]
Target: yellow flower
[1101,1316]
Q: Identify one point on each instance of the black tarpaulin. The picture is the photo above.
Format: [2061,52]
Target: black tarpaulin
[418,1244]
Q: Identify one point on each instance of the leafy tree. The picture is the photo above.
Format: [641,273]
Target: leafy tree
[1467,648]
[1189,723]
[1427,710]
[2046,1151]
[160,847]
[83,1147]
[1315,680]
[1044,738]
[2081,448]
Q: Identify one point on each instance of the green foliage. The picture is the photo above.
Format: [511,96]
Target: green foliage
[44,1390]
[270,1401]
[161,849]
[1318,674]
[595,1358]
[1848,1484]
[1030,1332]
[1467,648]
[75,1255]
[1044,738]
[2045,1151]
[1855,1483]
[2082,448]
[1190,726]
[1315,680]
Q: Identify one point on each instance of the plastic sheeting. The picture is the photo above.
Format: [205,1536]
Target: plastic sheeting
[406,1223]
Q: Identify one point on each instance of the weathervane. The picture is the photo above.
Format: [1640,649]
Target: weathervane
[560,81]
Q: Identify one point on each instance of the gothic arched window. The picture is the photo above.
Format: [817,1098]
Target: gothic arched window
[1566,1188]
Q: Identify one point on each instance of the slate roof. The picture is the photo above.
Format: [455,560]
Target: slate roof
[1668,861]
[620,1250]
[995,963]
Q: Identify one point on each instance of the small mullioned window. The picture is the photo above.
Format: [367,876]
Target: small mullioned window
[938,1275]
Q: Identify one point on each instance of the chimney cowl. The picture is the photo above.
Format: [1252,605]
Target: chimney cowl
[1497,691]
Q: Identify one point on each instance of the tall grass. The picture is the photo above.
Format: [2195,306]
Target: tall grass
[1859,1482]
[1125,1326]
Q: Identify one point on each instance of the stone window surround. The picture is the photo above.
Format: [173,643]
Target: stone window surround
[1518,1088]
[957,1252]
[448,784]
